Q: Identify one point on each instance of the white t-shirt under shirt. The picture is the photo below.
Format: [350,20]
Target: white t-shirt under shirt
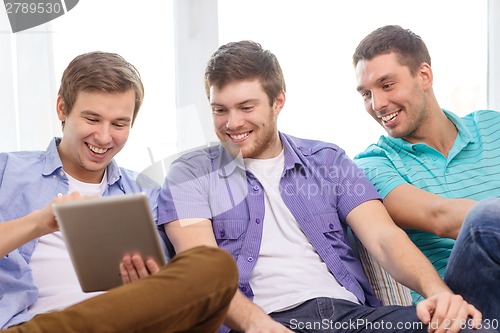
[51,265]
[289,271]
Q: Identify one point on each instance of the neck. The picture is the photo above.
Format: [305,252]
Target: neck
[79,172]
[439,132]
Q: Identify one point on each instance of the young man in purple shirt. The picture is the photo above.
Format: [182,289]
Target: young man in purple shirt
[281,206]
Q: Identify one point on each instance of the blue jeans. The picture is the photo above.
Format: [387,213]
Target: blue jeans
[327,315]
[473,269]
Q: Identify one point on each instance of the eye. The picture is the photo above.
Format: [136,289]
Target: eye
[387,86]
[218,111]
[121,125]
[246,108]
[91,119]
[366,95]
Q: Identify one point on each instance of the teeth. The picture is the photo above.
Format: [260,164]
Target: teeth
[239,136]
[98,150]
[390,117]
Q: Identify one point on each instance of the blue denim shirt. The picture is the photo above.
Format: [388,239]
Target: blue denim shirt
[320,186]
[29,181]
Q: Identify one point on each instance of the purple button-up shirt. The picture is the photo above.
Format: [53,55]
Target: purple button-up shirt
[320,186]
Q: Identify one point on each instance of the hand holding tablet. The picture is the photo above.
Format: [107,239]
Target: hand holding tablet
[99,232]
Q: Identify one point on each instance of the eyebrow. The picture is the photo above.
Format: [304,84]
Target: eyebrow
[94,114]
[379,80]
[239,104]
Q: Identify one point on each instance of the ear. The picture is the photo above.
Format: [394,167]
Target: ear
[279,102]
[426,77]
[61,114]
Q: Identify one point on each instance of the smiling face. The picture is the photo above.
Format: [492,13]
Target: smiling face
[394,97]
[95,130]
[245,121]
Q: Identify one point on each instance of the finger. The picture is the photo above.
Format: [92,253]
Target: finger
[425,310]
[152,266]
[139,266]
[456,314]
[439,321]
[130,268]
[124,274]
[476,316]
[459,320]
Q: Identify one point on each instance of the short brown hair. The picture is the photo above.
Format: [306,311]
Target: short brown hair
[245,60]
[409,47]
[100,72]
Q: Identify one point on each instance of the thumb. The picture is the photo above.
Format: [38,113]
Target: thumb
[424,310]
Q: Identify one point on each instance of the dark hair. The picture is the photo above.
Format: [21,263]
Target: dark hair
[245,60]
[102,72]
[409,47]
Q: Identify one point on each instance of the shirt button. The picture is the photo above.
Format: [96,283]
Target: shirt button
[243,289]
[61,173]
[54,176]
[59,194]
[434,158]
[330,225]
[222,233]
[257,221]
[250,259]
[256,187]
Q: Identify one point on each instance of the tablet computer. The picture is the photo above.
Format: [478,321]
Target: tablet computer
[98,232]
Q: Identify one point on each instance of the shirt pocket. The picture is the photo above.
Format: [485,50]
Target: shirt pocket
[335,233]
[229,233]
[329,225]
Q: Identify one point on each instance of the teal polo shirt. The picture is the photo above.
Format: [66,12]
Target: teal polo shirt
[471,170]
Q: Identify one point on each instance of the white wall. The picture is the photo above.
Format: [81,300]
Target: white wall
[314,40]
[494,54]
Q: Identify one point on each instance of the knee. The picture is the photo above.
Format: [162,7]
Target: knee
[485,213]
[216,264]
[224,264]
[482,227]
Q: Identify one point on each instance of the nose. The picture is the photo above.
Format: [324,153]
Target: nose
[103,134]
[234,120]
[379,102]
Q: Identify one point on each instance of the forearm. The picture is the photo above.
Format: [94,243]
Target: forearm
[449,215]
[409,266]
[17,232]
[392,248]
[414,208]
[243,314]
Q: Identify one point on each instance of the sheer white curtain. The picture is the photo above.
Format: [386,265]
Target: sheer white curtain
[32,63]
[27,88]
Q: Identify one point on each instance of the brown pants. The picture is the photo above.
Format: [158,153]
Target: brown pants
[190,294]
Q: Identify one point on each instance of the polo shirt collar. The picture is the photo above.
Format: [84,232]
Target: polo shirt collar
[463,132]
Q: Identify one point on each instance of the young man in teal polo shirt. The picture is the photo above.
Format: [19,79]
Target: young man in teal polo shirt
[433,166]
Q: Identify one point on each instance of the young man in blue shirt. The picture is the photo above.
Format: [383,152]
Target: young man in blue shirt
[98,101]
[281,205]
[433,166]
